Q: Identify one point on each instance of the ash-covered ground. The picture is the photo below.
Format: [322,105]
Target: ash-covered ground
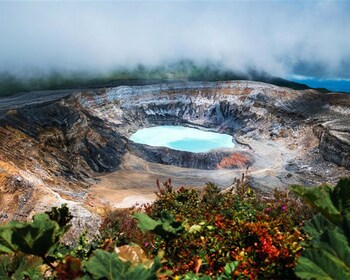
[74,147]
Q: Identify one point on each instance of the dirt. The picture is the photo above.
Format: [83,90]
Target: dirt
[136,181]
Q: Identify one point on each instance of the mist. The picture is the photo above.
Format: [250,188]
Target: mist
[283,38]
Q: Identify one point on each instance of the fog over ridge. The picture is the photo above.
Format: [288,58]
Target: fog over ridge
[280,37]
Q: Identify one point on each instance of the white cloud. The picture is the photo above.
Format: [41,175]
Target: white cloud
[280,37]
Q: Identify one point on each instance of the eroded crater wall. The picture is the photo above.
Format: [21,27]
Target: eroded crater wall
[60,144]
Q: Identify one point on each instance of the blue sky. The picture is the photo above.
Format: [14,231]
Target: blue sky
[310,38]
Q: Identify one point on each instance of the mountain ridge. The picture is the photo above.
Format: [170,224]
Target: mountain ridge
[185,71]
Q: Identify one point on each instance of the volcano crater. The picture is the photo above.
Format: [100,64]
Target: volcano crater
[223,155]
[75,145]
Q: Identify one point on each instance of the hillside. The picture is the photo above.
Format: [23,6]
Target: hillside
[184,70]
[56,145]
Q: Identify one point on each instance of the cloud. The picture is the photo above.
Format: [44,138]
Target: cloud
[280,37]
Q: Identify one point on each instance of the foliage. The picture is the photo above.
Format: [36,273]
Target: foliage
[225,275]
[60,215]
[38,238]
[19,266]
[22,241]
[166,227]
[260,235]
[69,268]
[120,228]
[83,249]
[32,248]
[107,265]
[327,254]
[178,202]
[192,234]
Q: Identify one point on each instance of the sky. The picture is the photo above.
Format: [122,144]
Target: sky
[307,38]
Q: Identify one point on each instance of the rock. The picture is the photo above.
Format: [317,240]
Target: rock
[335,141]
[214,159]
[54,144]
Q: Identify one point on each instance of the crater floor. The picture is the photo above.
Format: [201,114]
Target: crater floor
[73,146]
[136,179]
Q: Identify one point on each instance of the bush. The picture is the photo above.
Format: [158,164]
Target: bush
[191,234]
[32,250]
[263,234]
[120,228]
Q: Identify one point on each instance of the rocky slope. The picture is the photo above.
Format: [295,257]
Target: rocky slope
[53,145]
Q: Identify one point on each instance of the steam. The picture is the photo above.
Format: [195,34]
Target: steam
[283,38]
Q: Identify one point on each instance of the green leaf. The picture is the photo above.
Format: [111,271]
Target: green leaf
[167,227]
[326,257]
[60,215]
[318,225]
[170,225]
[38,237]
[5,266]
[141,273]
[341,195]
[346,226]
[19,266]
[192,276]
[32,275]
[145,222]
[230,268]
[321,199]
[307,269]
[6,245]
[320,264]
[335,242]
[106,265]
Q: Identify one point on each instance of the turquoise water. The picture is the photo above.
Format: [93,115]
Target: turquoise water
[182,138]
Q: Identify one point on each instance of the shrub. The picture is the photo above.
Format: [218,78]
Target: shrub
[222,228]
[32,250]
[120,228]
[188,234]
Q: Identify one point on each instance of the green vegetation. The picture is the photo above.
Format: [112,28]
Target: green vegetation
[327,254]
[260,235]
[190,234]
[138,75]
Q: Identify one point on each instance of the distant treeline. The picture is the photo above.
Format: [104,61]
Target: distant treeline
[185,70]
